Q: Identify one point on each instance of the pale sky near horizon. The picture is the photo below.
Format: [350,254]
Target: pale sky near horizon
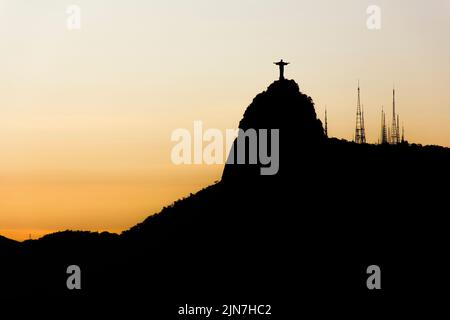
[86,115]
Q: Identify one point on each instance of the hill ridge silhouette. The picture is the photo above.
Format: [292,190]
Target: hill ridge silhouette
[260,115]
[333,208]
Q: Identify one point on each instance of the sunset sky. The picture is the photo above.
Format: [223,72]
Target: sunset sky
[86,115]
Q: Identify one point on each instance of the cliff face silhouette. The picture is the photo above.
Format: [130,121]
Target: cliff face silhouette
[333,209]
[282,106]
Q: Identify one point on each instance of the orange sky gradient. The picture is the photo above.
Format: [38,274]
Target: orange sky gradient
[86,116]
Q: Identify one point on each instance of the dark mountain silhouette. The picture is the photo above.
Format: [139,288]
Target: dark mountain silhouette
[301,239]
[281,107]
[7,244]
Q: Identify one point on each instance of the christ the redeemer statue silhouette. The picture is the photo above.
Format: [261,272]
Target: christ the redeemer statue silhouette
[281,64]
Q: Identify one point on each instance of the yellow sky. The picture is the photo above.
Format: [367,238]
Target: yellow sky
[86,115]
